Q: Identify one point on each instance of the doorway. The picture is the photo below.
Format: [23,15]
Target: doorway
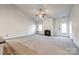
[61,27]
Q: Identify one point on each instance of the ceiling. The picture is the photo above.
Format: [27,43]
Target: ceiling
[53,10]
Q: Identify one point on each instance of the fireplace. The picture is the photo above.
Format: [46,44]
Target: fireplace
[47,32]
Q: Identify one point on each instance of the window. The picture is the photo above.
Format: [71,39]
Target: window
[63,28]
[40,27]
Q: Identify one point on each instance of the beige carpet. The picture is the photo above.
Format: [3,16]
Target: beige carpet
[43,45]
[20,49]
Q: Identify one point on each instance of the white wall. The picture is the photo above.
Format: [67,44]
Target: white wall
[14,23]
[75,24]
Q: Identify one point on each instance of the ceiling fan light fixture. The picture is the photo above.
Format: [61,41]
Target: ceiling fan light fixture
[41,13]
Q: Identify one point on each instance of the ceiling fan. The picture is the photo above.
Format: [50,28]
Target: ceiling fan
[42,13]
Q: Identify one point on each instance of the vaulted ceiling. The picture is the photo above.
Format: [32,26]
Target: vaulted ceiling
[53,10]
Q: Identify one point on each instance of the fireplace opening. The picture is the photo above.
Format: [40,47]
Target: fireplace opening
[47,32]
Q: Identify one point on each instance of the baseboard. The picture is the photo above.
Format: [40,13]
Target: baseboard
[15,36]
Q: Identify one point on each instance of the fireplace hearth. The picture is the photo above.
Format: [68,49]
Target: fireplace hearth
[47,32]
